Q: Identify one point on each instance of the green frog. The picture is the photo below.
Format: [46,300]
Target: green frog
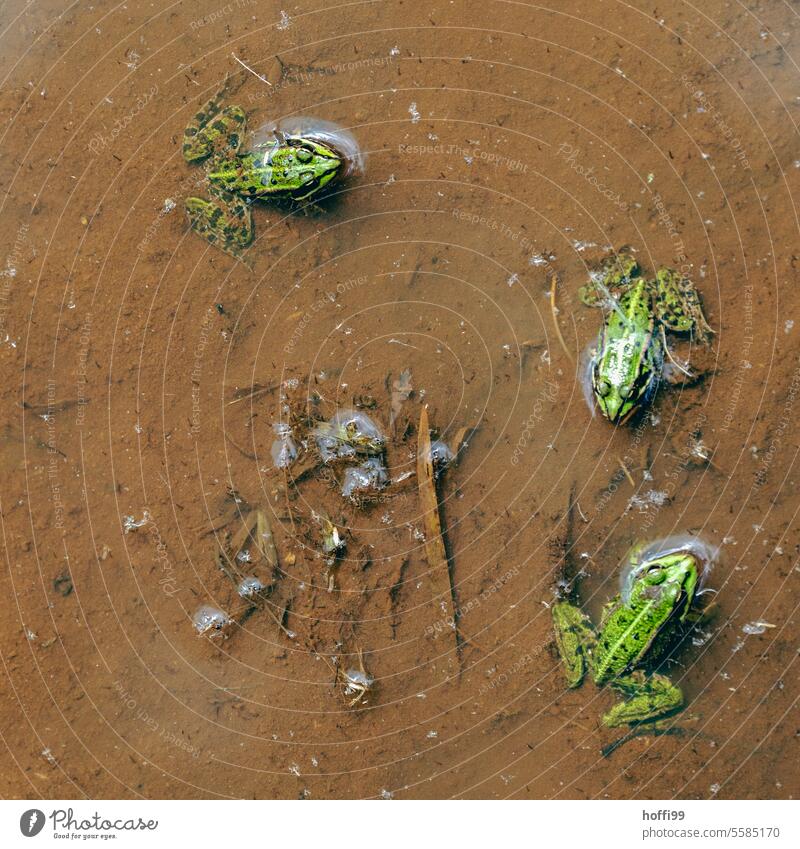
[628,361]
[288,166]
[637,628]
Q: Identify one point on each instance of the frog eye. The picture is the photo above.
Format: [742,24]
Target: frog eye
[603,388]
[625,390]
[304,155]
[655,575]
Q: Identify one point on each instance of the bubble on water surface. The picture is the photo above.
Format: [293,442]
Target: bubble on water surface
[207,618]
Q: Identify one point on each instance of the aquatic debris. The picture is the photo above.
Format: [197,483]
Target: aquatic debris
[626,472]
[250,587]
[355,683]
[652,498]
[554,313]
[248,68]
[370,475]
[461,439]
[401,392]
[284,449]
[129,523]
[252,545]
[207,618]
[756,628]
[347,434]
[442,456]
[332,541]
[435,551]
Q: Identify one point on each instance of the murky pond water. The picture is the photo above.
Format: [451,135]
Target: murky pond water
[508,147]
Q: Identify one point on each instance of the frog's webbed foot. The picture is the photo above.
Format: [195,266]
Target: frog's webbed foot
[591,296]
[225,221]
[677,304]
[575,638]
[214,130]
[648,698]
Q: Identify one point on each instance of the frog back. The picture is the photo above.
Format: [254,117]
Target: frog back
[642,626]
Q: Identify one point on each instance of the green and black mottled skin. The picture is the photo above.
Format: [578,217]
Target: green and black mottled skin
[628,363]
[287,167]
[635,633]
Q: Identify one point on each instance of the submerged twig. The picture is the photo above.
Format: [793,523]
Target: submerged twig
[554,312]
[435,551]
[628,475]
[254,73]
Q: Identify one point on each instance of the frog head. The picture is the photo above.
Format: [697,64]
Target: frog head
[669,578]
[302,167]
[625,369]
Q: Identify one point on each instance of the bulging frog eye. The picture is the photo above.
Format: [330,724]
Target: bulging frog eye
[603,388]
[304,155]
[655,575]
[625,390]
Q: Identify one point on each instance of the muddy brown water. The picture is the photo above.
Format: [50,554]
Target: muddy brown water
[505,143]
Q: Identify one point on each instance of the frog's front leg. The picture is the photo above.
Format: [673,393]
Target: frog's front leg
[649,697]
[575,638]
[225,221]
[677,304]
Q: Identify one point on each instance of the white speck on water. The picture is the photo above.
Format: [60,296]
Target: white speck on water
[756,628]
[787,326]
[514,278]
[294,769]
[414,113]
[129,523]
[432,735]
[386,794]
[715,788]
[48,756]
[284,22]
[700,638]
[538,259]
[395,51]
[169,205]
[738,646]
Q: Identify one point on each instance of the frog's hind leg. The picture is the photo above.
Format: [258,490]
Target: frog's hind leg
[677,304]
[575,638]
[214,130]
[648,698]
[225,221]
